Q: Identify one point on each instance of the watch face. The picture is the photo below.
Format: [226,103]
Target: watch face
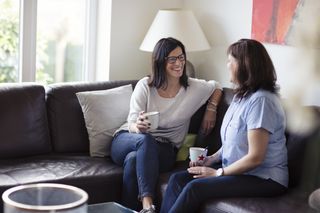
[219,172]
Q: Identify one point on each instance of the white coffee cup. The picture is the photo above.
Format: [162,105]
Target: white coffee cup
[197,153]
[153,119]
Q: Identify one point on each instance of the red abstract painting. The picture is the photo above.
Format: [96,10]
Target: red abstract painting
[272,19]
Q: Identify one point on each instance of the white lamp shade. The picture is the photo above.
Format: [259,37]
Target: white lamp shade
[179,24]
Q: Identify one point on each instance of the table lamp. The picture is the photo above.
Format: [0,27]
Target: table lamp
[179,24]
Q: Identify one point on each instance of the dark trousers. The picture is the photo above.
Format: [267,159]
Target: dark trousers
[186,194]
[142,158]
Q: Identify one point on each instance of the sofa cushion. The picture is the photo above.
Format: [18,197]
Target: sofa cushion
[104,112]
[23,120]
[212,140]
[66,122]
[188,142]
[292,202]
[297,144]
[99,177]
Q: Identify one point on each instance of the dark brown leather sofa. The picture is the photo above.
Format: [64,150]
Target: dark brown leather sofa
[43,138]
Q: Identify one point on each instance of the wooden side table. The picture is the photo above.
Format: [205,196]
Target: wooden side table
[314,200]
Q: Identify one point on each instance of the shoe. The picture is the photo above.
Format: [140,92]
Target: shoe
[152,209]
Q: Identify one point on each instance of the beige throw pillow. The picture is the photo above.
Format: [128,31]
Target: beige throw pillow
[104,112]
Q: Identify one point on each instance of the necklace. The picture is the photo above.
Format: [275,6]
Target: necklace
[168,93]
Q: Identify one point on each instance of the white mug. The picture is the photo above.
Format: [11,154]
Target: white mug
[197,153]
[153,119]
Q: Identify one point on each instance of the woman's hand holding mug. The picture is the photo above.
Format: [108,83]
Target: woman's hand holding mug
[146,121]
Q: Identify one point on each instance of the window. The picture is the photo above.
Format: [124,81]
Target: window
[51,41]
[60,40]
[9,40]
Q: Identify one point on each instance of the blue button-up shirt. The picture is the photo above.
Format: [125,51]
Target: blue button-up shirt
[261,109]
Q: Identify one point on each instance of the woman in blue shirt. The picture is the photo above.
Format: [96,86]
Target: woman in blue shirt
[253,155]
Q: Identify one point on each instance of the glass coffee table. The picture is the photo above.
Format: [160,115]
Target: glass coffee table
[108,207]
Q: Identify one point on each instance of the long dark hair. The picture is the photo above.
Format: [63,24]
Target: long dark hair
[255,67]
[162,49]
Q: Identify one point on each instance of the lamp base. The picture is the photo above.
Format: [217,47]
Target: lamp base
[190,69]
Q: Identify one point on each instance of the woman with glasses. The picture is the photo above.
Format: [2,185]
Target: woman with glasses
[145,153]
[253,155]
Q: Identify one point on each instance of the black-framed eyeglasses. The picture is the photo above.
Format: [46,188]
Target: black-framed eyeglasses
[173,59]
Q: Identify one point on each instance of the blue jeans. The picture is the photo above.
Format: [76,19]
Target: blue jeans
[185,194]
[142,158]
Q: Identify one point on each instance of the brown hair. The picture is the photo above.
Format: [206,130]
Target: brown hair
[162,49]
[255,67]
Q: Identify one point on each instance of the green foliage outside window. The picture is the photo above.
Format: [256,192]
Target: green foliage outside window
[46,51]
[9,34]
[9,47]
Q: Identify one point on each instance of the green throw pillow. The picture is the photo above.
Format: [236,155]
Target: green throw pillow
[183,152]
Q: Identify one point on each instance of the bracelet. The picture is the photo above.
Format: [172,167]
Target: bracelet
[211,109]
[211,106]
[213,103]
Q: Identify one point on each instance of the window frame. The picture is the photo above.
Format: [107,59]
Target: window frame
[91,56]
[27,40]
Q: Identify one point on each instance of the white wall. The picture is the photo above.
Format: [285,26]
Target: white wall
[223,21]
[130,22]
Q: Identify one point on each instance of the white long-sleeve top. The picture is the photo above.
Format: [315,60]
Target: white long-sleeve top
[175,113]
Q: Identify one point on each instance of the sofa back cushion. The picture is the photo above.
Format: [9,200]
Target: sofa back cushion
[23,120]
[213,140]
[66,121]
[297,145]
[104,112]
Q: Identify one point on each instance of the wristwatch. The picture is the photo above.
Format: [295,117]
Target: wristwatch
[219,172]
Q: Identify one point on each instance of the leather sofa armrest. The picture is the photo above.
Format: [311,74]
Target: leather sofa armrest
[314,199]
